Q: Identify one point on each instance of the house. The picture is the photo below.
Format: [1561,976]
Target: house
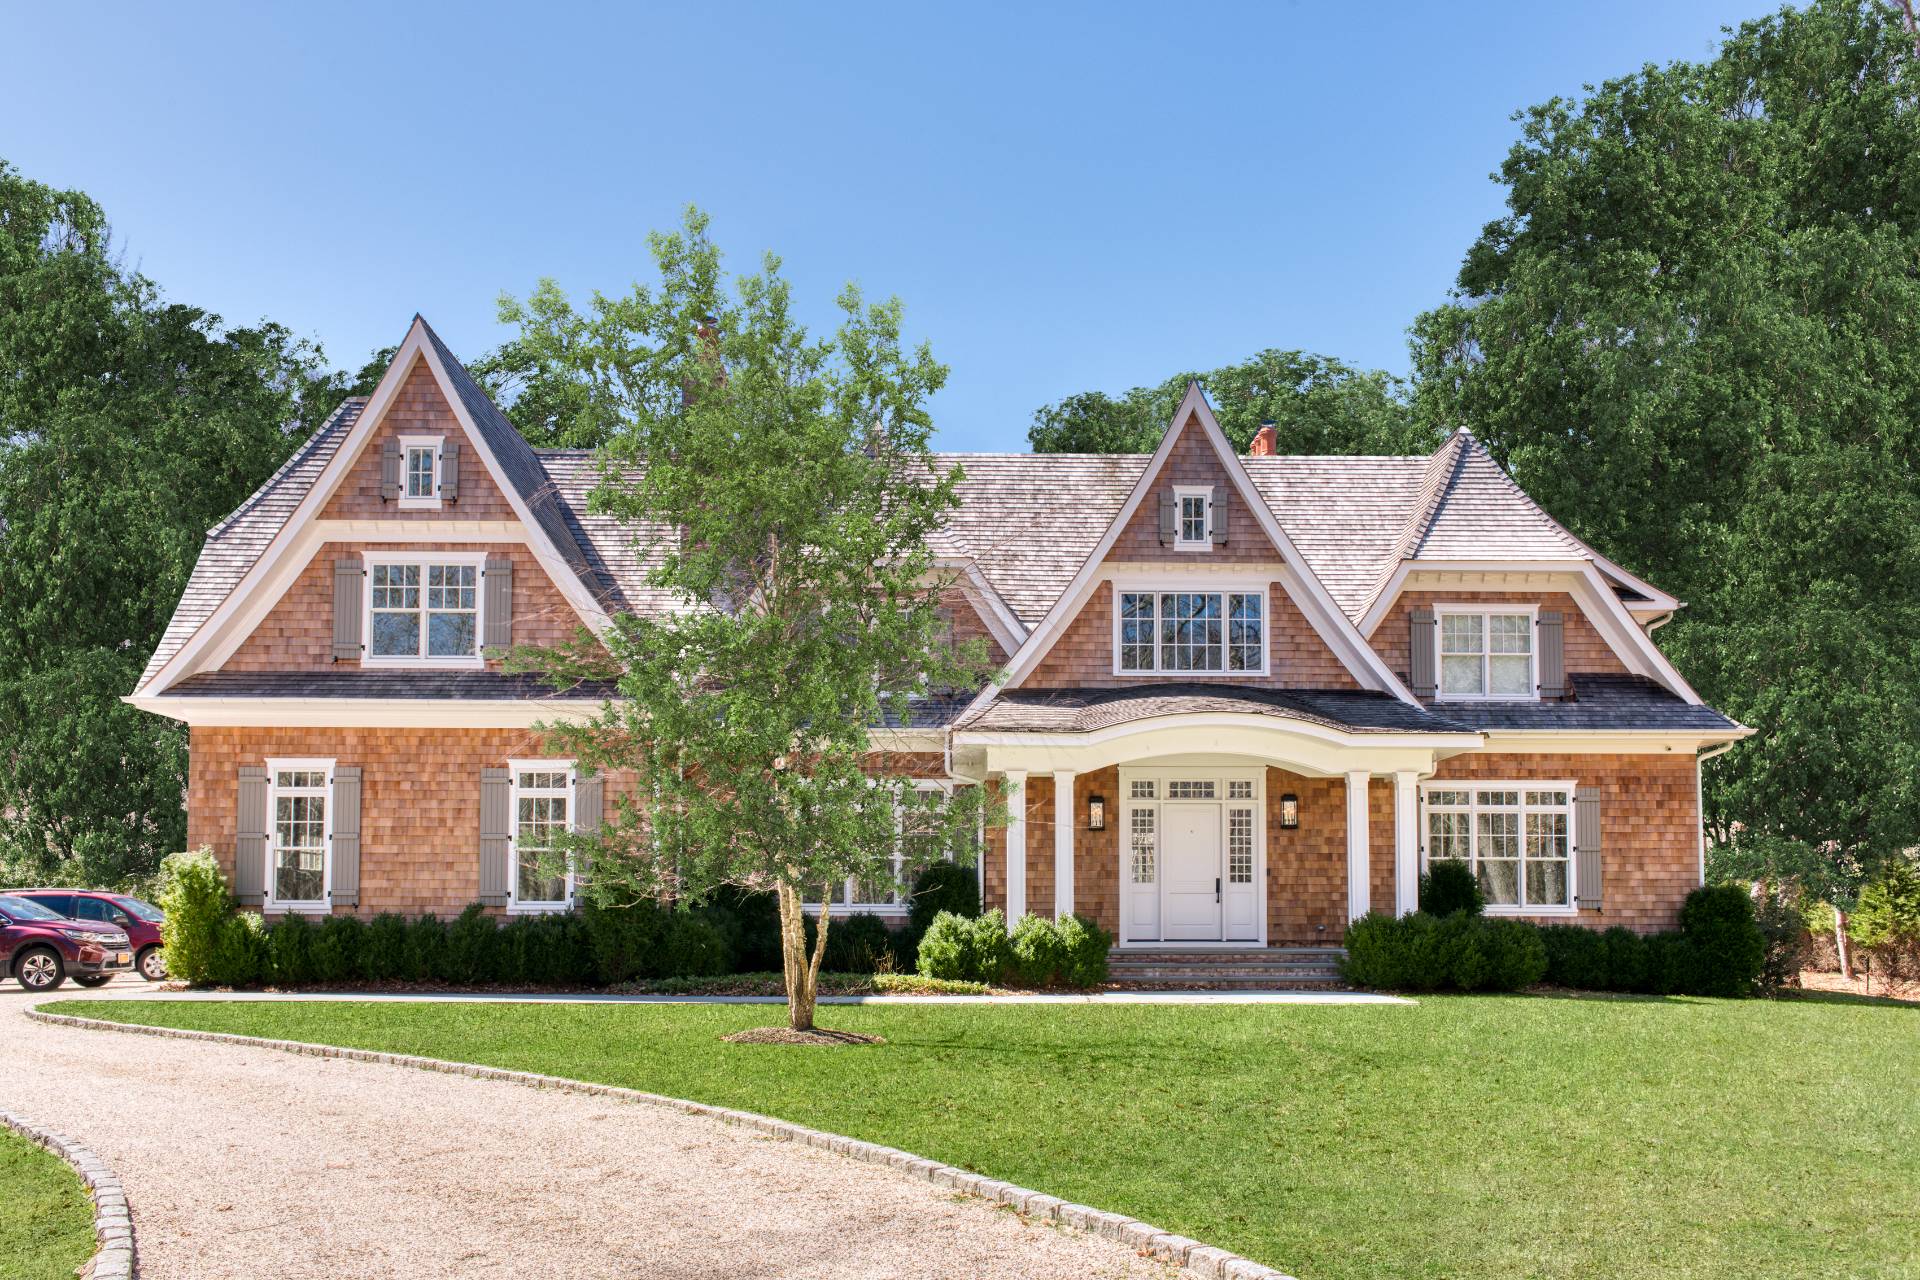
[1244,698]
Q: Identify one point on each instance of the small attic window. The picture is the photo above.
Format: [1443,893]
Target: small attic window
[420,471]
[1194,516]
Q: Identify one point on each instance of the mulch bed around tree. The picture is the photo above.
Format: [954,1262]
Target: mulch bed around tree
[787,1035]
[1863,984]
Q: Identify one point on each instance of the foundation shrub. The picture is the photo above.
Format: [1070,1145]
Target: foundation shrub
[694,947]
[238,956]
[1626,959]
[1669,965]
[626,941]
[1449,887]
[290,950]
[194,896]
[337,950]
[750,919]
[426,949]
[1576,957]
[472,941]
[1038,951]
[1728,950]
[1085,946]
[383,953]
[859,943]
[1516,955]
[1461,952]
[943,886]
[959,948]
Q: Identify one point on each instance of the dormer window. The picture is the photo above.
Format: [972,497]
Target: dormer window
[1184,630]
[420,471]
[1194,518]
[424,608]
[1485,654]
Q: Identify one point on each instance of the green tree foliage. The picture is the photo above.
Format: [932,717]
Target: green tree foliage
[564,378]
[747,717]
[1318,406]
[128,426]
[1691,338]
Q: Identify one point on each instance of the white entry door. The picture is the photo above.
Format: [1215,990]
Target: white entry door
[1190,872]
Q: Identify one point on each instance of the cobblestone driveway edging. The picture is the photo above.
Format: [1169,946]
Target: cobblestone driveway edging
[113,1257]
[1203,1260]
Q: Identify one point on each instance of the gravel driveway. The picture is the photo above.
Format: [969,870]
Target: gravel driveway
[248,1162]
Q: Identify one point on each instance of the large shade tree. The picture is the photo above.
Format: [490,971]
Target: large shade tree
[1691,336]
[781,485]
[128,425]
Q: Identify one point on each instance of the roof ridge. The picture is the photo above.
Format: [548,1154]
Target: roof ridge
[298,456]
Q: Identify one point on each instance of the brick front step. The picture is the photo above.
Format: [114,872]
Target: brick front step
[1259,968]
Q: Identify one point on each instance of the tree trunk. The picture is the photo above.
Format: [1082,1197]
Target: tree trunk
[802,971]
[1840,944]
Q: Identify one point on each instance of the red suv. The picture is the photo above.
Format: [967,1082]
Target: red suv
[140,920]
[42,948]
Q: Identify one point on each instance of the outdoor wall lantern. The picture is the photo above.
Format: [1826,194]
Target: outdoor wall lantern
[1096,813]
[1289,811]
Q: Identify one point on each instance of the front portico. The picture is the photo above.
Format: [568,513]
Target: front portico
[1195,845]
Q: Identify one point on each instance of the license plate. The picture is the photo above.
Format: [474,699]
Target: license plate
[123,957]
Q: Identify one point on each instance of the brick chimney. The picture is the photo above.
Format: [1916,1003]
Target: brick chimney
[1265,441]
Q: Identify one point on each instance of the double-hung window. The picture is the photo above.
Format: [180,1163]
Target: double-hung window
[1517,837]
[543,811]
[420,471]
[299,833]
[1188,631]
[424,608]
[1485,653]
[1193,518]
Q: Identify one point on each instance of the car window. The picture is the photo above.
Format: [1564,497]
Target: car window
[19,908]
[141,910]
[58,903]
[91,909]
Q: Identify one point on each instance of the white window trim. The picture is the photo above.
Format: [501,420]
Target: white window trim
[477,559]
[1425,832]
[898,908]
[515,907]
[1204,584]
[410,503]
[1532,614]
[1181,492]
[324,903]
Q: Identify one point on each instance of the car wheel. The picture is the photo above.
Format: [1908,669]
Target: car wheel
[40,969]
[152,964]
[93,979]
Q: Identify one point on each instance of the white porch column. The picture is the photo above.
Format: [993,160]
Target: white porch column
[1014,786]
[1062,842]
[1406,844]
[1359,894]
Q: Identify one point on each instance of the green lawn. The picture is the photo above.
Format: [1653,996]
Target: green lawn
[46,1219]
[1465,1137]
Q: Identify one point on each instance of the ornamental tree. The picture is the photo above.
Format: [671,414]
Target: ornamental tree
[782,488]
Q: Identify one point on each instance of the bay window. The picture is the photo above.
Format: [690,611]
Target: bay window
[1516,837]
[1185,631]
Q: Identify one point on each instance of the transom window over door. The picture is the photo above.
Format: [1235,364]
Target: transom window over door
[1181,631]
[424,609]
[1516,837]
[1485,653]
[298,832]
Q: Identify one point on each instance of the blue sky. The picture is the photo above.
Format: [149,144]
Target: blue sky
[1066,197]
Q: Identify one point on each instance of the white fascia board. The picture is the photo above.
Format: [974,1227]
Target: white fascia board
[1001,621]
[908,739]
[1606,741]
[252,593]
[1316,603]
[1276,725]
[1629,641]
[366,713]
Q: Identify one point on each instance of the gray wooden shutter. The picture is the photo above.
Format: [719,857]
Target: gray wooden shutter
[346,835]
[497,578]
[496,829]
[589,807]
[450,469]
[1217,510]
[1552,656]
[1420,654]
[349,584]
[1169,518]
[389,470]
[1586,848]
[250,837]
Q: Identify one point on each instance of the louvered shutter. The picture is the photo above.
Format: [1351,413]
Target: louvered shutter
[346,835]
[589,808]
[496,829]
[250,838]
[450,469]
[497,578]
[1217,512]
[1588,877]
[349,584]
[1169,518]
[1420,653]
[1552,656]
[389,470]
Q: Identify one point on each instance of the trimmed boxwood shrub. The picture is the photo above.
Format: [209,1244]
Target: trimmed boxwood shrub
[1084,946]
[1576,957]
[694,947]
[1038,951]
[943,886]
[626,942]
[962,949]
[750,919]
[290,951]
[1449,887]
[1461,951]
[1626,959]
[335,953]
[383,952]
[469,954]
[859,943]
[238,956]
[195,899]
[1729,951]
[426,949]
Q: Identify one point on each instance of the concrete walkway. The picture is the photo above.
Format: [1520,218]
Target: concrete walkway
[240,1161]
